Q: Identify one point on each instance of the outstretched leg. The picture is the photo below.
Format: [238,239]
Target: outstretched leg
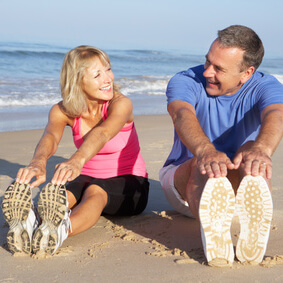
[212,201]
[88,211]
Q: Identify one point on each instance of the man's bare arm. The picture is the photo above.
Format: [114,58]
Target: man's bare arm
[210,161]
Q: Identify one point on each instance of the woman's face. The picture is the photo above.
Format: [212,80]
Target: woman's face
[97,82]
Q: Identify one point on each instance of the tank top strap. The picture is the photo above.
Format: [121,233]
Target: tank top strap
[77,125]
[104,110]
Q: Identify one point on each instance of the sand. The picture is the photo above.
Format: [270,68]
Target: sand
[159,245]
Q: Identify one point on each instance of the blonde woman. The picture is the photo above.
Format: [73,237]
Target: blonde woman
[106,174]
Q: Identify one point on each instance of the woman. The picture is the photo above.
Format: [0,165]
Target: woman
[106,174]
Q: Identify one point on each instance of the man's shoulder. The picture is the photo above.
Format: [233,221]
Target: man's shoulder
[263,89]
[261,83]
[265,78]
[192,74]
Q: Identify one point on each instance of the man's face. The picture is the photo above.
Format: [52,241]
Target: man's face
[223,70]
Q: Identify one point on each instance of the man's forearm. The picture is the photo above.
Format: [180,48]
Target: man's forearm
[271,132]
[190,132]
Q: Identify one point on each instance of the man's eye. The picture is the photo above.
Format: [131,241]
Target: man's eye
[219,69]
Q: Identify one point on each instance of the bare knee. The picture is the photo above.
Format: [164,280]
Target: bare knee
[188,180]
[194,186]
[97,193]
[71,199]
[183,175]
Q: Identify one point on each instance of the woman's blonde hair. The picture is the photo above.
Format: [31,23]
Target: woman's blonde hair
[74,65]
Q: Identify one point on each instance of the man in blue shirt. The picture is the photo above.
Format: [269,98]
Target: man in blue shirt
[228,121]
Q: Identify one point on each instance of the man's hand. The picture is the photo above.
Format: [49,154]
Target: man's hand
[254,159]
[214,163]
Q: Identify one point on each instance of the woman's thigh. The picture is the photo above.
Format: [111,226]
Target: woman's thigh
[126,195]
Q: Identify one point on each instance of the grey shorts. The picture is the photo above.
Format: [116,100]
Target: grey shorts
[166,177]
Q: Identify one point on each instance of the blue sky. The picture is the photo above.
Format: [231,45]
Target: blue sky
[187,25]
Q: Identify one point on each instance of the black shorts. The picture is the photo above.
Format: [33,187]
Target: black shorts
[127,194]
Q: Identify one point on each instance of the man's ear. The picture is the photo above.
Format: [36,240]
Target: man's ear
[247,74]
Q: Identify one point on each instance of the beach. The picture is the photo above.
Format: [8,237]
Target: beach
[159,245]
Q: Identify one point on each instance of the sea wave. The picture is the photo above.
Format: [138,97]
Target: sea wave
[28,92]
[26,53]
[279,78]
[32,92]
[143,85]
[39,99]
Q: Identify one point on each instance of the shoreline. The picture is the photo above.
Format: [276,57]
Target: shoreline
[158,245]
[36,119]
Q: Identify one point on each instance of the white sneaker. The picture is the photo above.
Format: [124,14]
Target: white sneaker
[54,212]
[19,212]
[216,212]
[254,207]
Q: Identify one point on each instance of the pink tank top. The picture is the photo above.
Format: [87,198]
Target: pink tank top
[119,156]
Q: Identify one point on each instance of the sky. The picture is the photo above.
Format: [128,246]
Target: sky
[185,25]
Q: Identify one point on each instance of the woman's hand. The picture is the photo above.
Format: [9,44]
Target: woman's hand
[67,171]
[34,169]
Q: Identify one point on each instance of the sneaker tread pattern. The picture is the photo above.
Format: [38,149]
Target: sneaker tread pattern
[52,208]
[16,205]
[216,211]
[254,206]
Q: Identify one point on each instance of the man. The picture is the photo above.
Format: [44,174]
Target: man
[228,121]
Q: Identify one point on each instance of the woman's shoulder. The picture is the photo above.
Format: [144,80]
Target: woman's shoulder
[121,105]
[58,112]
[118,98]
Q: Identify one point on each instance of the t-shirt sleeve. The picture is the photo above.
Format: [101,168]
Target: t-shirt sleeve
[270,92]
[182,87]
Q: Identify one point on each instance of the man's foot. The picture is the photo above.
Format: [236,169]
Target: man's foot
[254,208]
[54,212]
[18,212]
[216,211]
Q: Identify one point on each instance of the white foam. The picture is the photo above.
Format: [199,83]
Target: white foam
[143,85]
[279,78]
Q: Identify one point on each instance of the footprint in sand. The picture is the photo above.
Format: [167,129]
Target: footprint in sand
[271,261]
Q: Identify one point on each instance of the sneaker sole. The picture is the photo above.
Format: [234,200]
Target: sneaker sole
[216,212]
[254,207]
[16,205]
[52,206]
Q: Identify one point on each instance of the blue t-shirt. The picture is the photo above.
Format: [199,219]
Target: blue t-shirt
[229,121]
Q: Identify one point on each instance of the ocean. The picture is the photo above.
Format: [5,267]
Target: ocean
[30,85]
